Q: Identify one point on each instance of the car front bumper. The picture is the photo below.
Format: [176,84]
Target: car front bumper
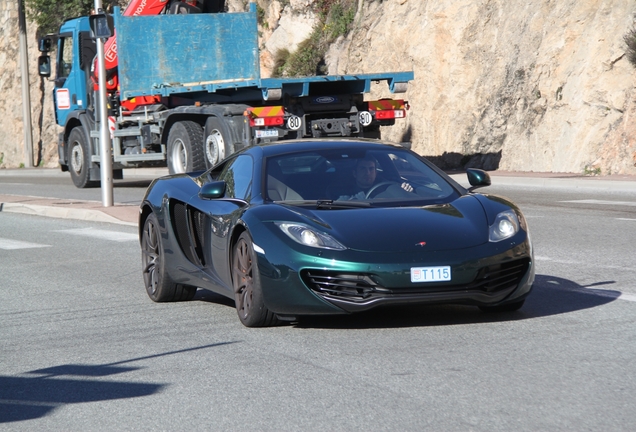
[332,282]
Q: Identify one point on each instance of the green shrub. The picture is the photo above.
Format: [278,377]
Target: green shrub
[336,18]
[49,14]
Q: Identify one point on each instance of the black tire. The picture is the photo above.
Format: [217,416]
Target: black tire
[248,294]
[508,307]
[79,159]
[159,286]
[185,149]
[216,143]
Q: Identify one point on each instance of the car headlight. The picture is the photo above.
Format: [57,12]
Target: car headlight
[506,225]
[307,236]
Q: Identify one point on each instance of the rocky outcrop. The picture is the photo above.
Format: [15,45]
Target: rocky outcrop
[516,85]
[512,85]
[44,134]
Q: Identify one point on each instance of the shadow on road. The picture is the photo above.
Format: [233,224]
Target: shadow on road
[550,296]
[44,390]
[212,297]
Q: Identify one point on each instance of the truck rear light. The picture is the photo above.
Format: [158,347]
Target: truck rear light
[267,121]
[265,116]
[389,114]
[388,109]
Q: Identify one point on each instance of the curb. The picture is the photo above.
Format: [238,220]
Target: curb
[61,213]
[562,182]
[70,209]
[56,172]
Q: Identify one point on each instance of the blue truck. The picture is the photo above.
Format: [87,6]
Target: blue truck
[187,92]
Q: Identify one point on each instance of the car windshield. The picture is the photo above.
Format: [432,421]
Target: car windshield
[348,177]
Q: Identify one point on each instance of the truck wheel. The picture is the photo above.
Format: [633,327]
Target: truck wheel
[216,145]
[79,159]
[184,147]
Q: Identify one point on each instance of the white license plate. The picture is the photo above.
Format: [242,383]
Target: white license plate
[430,274]
[268,133]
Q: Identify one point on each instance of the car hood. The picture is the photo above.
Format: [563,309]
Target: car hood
[456,225]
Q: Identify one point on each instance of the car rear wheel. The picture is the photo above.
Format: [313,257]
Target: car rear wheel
[159,286]
[248,294]
[508,307]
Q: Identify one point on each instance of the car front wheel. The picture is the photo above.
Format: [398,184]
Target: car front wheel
[248,294]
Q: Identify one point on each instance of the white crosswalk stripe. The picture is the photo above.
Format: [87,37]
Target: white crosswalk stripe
[101,234]
[9,244]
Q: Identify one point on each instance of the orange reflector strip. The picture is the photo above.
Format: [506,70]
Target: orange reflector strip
[268,111]
[266,116]
[386,104]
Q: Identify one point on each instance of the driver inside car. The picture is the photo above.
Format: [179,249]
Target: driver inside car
[365,175]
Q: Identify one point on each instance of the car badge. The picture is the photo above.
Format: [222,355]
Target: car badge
[420,244]
[325,100]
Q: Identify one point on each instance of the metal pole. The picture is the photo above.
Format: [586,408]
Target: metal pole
[105,149]
[26,90]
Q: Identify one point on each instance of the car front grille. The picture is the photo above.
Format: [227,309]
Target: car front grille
[361,287]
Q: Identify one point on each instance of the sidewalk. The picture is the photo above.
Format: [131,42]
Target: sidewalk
[70,209]
[128,214]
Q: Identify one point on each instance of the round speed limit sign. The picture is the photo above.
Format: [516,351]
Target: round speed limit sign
[294,122]
[365,118]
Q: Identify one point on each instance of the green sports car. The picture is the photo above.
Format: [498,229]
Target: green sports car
[318,227]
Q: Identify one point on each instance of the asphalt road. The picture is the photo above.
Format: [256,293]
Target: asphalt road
[83,348]
[57,184]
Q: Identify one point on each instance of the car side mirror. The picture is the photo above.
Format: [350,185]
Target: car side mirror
[44,66]
[477,178]
[212,190]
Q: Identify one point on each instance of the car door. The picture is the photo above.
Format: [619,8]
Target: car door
[223,213]
[70,92]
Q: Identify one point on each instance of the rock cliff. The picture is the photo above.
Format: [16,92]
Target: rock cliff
[12,152]
[499,84]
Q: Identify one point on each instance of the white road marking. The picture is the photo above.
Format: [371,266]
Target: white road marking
[102,234]
[8,244]
[558,261]
[602,202]
[570,262]
[615,294]
[626,219]
[619,295]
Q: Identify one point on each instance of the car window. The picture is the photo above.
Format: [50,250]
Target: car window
[237,175]
[336,175]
